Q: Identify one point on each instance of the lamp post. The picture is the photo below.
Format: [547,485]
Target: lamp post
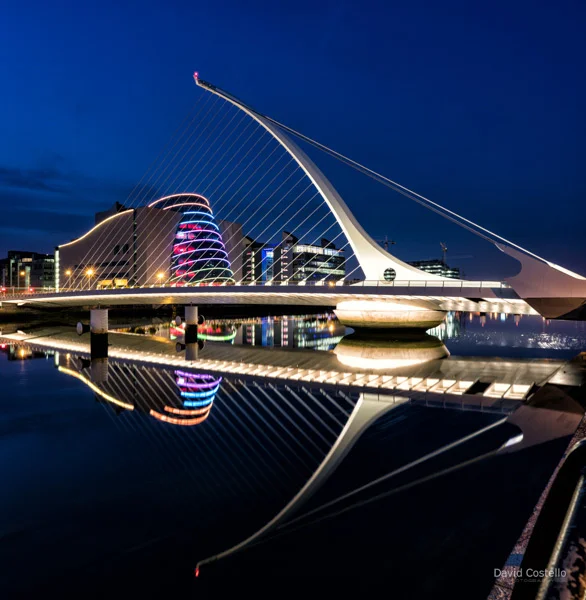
[68,273]
[22,274]
[160,277]
[89,274]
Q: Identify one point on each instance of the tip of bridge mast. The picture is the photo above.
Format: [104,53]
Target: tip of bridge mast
[196,76]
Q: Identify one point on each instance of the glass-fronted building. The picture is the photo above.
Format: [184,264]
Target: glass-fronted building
[317,263]
[292,261]
[22,269]
[437,267]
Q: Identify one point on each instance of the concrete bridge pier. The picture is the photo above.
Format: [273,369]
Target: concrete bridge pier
[191,322]
[99,370]
[99,333]
[398,313]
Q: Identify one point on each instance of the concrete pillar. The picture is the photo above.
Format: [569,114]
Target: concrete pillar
[191,320]
[99,333]
[99,370]
[191,351]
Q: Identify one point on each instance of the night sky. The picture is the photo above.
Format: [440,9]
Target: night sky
[479,106]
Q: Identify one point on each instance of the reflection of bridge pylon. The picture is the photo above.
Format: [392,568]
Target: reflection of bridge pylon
[365,412]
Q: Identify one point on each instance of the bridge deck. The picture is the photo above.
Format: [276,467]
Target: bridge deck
[456,297]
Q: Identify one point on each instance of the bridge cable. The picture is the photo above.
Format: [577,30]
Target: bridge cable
[161,243]
[98,245]
[412,195]
[165,193]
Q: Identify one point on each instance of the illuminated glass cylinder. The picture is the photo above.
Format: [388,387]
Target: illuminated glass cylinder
[198,254]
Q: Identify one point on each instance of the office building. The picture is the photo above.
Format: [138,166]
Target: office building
[290,260]
[308,262]
[436,267]
[23,269]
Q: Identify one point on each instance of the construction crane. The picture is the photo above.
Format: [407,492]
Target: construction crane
[444,252]
[386,243]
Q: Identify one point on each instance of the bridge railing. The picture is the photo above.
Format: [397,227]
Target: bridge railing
[447,284]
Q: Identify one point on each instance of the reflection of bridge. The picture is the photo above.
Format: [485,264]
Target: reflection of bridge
[273,449]
[415,367]
[393,293]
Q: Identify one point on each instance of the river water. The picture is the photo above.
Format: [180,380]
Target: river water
[125,478]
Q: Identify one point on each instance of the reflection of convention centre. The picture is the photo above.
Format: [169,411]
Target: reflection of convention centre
[177,240]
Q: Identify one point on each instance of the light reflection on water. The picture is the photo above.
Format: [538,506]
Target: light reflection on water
[126,452]
[317,332]
[465,334]
[151,445]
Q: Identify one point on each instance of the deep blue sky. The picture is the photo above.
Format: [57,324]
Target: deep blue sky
[479,106]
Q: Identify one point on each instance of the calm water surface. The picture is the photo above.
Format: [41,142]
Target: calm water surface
[119,479]
[464,334]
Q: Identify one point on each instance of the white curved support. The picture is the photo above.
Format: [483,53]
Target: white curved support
[554,291]
[539,278]
[372,258]
[364,414]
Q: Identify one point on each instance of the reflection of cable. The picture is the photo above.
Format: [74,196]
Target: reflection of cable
[284,529]
[334,449]
[402,469]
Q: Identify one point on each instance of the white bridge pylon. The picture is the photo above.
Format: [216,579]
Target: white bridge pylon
[555,292]
[373,260]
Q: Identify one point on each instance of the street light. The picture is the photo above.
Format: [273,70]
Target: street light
[22,274]
[68,273]
[89,274]
[160,277]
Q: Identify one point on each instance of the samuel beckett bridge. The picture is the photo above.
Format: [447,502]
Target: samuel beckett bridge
[234,212]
